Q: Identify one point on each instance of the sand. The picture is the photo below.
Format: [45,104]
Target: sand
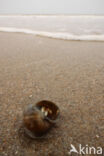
[69,73]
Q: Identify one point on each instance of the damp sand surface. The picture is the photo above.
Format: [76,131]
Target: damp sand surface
[69,73]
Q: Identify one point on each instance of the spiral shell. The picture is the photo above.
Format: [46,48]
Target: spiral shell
[38,119]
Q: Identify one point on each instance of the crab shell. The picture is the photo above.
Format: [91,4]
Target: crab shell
[38,119]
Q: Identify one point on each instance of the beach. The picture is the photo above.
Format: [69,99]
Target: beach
[69,73]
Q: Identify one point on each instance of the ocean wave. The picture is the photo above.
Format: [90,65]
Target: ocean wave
[56,35]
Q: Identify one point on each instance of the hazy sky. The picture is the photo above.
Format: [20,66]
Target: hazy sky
[52,7]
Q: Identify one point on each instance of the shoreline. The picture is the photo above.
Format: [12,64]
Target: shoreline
[54,35]
[65,27]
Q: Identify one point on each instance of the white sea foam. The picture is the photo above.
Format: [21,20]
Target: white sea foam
[58,35]
[61,27]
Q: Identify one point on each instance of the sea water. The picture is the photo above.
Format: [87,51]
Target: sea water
[79,27]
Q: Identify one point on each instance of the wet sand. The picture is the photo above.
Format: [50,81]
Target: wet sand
[69,73]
